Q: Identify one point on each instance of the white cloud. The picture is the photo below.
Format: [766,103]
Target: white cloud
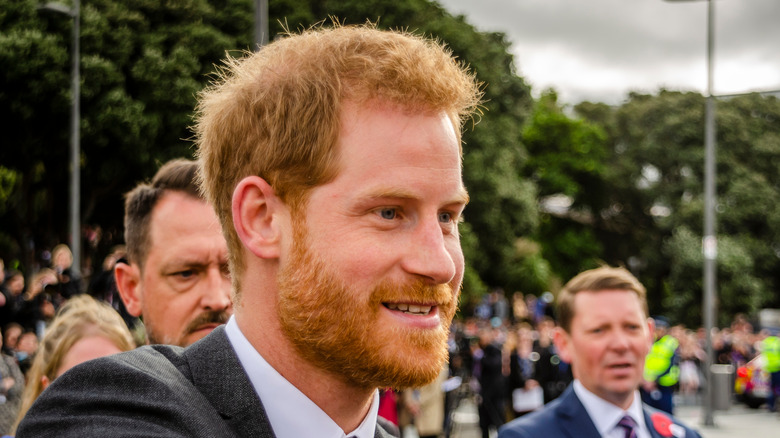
[602,49]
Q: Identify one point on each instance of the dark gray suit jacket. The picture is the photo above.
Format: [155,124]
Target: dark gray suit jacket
[566,417]
[154,391]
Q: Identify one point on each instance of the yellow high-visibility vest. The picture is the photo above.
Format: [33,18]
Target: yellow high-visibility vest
[770,348]
[659,360]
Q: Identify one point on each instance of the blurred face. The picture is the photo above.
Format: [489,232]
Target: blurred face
[87,348]
[183,292]
[28,343]
[16,284]
[12,336]
[376,266]
[610,337]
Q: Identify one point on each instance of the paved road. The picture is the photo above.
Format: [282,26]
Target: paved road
[738,421]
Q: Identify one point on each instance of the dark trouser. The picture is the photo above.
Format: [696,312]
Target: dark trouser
[491,413]
[774,390]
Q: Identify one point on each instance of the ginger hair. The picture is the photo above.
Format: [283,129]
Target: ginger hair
[276,113]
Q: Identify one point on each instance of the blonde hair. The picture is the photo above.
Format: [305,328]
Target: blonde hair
[596,280]
[276,113]
[81,316]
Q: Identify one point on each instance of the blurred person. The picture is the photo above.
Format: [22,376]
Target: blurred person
[2,288]
[83,329]
[103,287]
[770,348]
[388,410]
[691,358]
[426,406]
[40,301]
[333,159]
[11,289]
[519,309]
[11,387]
[68,278]
[525,393]
[11,333]
[26,349]
[552,373]
[662,369]
[176,274]
[605,334]
[489,371]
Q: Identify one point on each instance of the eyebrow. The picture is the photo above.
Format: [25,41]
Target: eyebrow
[462,197]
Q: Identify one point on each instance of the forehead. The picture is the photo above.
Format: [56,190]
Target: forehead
[397,139]
[605,305]
[182,221]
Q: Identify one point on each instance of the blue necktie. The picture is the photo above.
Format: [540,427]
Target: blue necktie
[629,425]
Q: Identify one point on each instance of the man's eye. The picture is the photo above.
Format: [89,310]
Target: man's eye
[445,217]
[388,213]
[186,273]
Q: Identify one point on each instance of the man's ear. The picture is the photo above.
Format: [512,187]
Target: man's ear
[128,282]
[257,217]
[562,344]
[650,331]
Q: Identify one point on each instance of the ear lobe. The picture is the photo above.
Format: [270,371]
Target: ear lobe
[256,210]
[45,382]
[128,282]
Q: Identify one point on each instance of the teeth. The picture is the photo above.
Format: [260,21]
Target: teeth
[412,309]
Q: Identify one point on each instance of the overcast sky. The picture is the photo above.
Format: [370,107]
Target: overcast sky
[599,50]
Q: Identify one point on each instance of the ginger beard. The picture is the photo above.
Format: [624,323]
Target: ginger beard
[338,329]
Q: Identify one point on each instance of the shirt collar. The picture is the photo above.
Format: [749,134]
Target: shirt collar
[284,404]
[606,415]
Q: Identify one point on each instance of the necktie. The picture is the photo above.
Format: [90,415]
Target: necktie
[629,425]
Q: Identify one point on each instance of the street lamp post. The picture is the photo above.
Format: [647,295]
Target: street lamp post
[261,23]
[709,240]
[75,141]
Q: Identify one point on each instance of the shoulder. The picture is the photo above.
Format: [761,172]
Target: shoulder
[147,391]
[666,425]
[544,422]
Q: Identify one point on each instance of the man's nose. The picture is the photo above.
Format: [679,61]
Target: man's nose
[216,291]
[427,254]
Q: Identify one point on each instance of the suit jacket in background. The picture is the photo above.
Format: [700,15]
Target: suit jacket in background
[566,417]
[154,391]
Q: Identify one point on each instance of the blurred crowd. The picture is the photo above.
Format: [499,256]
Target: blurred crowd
[53,322]
[504,358]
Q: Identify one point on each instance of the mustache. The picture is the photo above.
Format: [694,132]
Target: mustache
[416,291]
[205,318]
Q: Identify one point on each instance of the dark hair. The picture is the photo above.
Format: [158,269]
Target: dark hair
[176,175]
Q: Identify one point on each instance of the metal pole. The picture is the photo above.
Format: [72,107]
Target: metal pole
[710,242]
[75,144]
[261,23]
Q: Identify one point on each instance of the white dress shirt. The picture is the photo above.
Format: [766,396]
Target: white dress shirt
[290,412]
[606,416]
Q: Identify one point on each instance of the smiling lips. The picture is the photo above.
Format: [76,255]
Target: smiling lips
[411,309]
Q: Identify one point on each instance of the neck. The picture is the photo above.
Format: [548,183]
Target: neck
[345,403]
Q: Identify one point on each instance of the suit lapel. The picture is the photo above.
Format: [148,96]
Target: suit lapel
[218,374]
[575,421]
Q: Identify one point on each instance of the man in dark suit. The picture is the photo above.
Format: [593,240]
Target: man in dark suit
[605,334]
[333,160]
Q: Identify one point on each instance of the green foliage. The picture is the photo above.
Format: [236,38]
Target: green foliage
[630,176]
[143,63]
[656,173]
